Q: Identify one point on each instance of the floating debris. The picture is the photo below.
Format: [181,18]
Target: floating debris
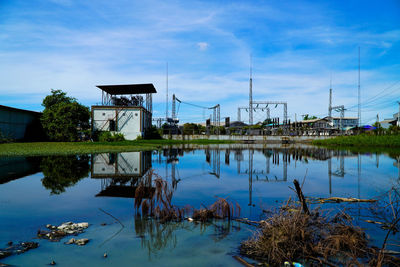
[105,255]
[56,233]
[17,248]
[341,199]
[79,242]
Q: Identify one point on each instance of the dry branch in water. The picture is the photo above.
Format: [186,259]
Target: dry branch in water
[158,204]
[292,234]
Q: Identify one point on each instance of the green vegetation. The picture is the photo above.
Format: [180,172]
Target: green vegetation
[111,137]
[362,140]
[63,117]
[70,148]
[309,117]
[193,128]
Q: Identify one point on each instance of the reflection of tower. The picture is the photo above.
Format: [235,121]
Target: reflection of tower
[238,158]
[398,167]
[358,172]
[216,162]
[330,175]
[251,177]
[173,179]
[285,162]
[339,171]
[227,154]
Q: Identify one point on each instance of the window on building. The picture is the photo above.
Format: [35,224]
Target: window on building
[111,124]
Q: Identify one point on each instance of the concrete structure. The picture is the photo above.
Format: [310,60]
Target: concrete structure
[18,123]
[120,114]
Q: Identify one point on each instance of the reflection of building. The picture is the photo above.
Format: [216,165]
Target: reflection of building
[117,165]
[19,167]
[124,109]
[121,173]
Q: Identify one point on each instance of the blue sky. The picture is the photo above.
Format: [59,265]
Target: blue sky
[296,46]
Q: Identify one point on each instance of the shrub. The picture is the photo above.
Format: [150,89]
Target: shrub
[152,133]
[111,137]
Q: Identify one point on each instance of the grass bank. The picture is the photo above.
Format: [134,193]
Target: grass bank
[378,141]
[68,148]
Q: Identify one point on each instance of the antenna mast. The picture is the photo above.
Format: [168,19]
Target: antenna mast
[251,93]
[330,100]
[166,103]
[359,96]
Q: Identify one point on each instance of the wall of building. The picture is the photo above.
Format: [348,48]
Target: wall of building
[18,123]
[130,121]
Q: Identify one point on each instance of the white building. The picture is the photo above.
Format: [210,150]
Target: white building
[124,109]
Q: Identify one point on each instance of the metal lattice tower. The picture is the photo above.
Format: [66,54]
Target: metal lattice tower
[216,117]
[251,94]
[340,109]
[239,115]
[173,107]
[285,117]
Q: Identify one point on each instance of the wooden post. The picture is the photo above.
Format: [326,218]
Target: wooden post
[301,197]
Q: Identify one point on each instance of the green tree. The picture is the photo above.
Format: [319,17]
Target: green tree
[63,117]
[309,117]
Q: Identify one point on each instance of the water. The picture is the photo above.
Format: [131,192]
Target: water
[51,190]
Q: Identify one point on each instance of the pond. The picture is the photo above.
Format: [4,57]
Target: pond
[100,189]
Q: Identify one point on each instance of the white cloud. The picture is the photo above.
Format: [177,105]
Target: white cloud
[202,46]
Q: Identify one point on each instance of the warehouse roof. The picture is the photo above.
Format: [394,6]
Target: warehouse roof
[128,89]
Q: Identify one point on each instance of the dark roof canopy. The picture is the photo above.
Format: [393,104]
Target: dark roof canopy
[128,89]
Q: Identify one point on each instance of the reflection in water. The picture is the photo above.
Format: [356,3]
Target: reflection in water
[61,172]
[18,167]
[121,173]
[156,236]
[252,175]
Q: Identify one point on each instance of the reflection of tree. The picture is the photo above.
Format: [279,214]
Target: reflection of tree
[63,171]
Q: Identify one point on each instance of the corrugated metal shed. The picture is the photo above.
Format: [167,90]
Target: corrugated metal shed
[15,123]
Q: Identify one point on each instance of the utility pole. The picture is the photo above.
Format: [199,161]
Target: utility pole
[166,103]
[251,93]
[330,100]
[359,96]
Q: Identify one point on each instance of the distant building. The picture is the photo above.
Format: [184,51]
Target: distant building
[124,109]
[386,123]
[19,124]
[347,122]
[316,123]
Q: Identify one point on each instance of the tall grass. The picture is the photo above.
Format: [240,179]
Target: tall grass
[69,148]
[362,140]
